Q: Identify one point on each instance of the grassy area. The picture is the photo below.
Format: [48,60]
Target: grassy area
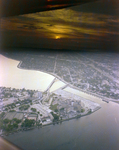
[82,110]
[53,107]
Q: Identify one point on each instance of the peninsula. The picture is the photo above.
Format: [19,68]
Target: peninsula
[23,109]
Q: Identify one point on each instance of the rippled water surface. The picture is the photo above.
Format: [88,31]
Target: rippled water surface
[98,131]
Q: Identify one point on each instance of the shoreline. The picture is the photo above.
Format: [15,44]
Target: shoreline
[70,85]
[56,76]
[52,123]
[67,84]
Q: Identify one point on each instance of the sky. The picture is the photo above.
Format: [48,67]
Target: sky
[91,26]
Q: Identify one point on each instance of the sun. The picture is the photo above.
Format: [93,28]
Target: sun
[57,37]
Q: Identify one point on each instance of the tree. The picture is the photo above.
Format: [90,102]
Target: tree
[23,89]
[6,121]
[33,109]
[16,120]
[15,125]
[9,127]
[56,117]
[12,110]
[6,109]
[62,109]
[24,107]
[82,110]
[2,114]
[1,124]
[56,110]
[38,123]
[28,123]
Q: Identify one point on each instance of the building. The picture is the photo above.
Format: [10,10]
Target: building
[32,116]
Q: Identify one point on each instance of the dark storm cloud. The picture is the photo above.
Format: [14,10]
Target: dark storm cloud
[49,25]
[29,26]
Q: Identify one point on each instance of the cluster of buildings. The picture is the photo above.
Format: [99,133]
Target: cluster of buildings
[43,106]
[12,95]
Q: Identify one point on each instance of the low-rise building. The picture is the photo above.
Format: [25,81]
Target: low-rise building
[32,116]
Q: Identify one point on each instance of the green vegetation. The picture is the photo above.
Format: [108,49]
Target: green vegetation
[54,107]
[12,110]
[2,114]
[33,109]
[28,123]
[26,101]
[56,110]
[24,107]
[15,125]
[16,120]
[7,126]
[62,109]
[7,95]
[56,117]
[10,106]
[1,123]
[38,123]
[6,109]
[6,121]
[89,111]
[82,110]
[44,120]
[78,116]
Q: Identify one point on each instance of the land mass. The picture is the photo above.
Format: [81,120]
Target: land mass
[79,85]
